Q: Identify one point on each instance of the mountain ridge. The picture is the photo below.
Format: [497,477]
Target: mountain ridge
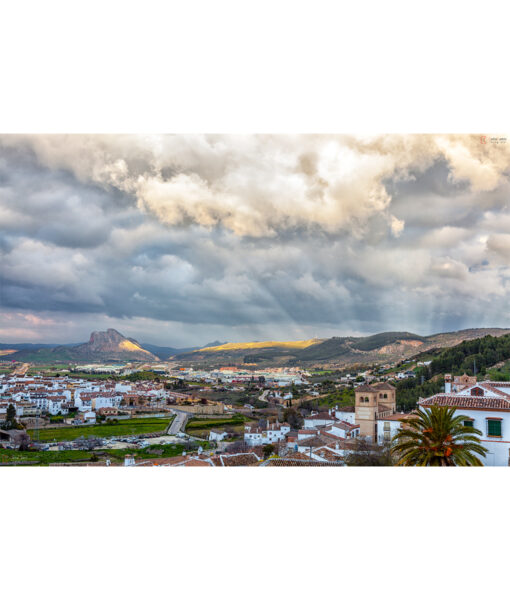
[339,351]
[102,345]
[335,351]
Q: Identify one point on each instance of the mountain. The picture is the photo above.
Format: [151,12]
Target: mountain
[336,351]
[165,352]
[102,346]
[28,346]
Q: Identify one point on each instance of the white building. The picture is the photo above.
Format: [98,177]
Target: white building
[275,432]
[388,426]
[319,420]
[486,406]
[343,429]
[217,436]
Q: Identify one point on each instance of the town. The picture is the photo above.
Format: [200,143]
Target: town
[163,414]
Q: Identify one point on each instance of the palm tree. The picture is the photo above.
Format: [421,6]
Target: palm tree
[435,437]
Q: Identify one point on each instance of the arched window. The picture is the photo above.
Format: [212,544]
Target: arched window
[385,395]
[477,391]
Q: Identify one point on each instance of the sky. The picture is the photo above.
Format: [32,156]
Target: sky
[180,240]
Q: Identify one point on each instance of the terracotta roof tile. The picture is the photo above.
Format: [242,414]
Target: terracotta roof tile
[458,401]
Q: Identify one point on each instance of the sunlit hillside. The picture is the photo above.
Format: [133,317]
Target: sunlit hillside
[129,346]
[6,352]
[300,344]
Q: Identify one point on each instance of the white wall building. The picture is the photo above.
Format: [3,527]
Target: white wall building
[486,406]
[217,436]
[275,432]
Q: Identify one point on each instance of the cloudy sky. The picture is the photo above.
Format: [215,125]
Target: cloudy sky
[182,240]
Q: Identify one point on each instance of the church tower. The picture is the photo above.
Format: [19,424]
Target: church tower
[373,402]
[366,411]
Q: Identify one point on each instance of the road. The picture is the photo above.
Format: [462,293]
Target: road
[21,370]
[262,396]
[178,423]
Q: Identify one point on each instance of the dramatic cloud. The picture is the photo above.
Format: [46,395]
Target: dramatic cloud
[183,239]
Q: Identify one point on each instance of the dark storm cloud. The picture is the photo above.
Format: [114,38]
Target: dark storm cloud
[248,246]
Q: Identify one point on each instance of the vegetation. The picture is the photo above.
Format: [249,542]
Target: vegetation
[109,429]
[484,352]
[500,372]
[142,376]
[254,345]
[201,427]
[269,450]
[211,423]
[436,437]
[10,418]
[410,390]
[343,397]
[383,339]
[368,454]
[116,456]
[293,418]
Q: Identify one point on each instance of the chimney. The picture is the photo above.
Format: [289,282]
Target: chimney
[129,460]
[448,384]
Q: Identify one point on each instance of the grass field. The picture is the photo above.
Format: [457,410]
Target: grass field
[65,456]
[127,427]
[202,427]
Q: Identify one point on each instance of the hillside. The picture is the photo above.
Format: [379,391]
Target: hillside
[102,346]
[259,345]
[481,353]
[336,351]
[165,352]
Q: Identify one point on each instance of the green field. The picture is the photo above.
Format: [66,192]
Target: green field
[125,427]
[202,427]
[65,456]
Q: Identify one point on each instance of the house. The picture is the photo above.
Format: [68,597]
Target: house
[215,435]
[319,419]
[89,417]
[108,411]
[486,406]
[13,437]
[345,413]
[274,432]
[343,429]
[458,383]
[388,426]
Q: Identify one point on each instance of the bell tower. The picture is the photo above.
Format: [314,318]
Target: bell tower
[366,411]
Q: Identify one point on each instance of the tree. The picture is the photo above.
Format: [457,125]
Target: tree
[268,450]
[238,446]
[435,437]
[23,441]
[10,417]
[368,454]
[293,418]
